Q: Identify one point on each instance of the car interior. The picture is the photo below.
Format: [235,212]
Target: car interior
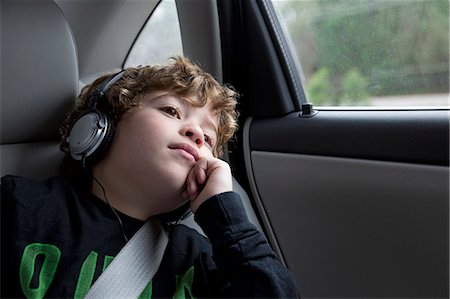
[355,202]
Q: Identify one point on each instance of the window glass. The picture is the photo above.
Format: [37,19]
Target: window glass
[160,38]
[370,53]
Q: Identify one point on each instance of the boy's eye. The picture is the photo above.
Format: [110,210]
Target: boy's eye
[209,140]
[172,111]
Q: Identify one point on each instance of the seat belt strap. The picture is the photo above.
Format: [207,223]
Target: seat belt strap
[134,267]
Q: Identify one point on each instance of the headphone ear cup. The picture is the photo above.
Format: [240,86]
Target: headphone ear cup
[90,135]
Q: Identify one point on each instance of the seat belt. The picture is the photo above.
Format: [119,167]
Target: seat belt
[132,269]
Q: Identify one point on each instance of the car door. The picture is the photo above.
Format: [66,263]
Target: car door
[354,199]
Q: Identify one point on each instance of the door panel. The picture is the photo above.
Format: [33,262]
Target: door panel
[351,213]
[357,228]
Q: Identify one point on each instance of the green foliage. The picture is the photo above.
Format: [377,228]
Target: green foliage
[397,46]
[319,88]
[354,88]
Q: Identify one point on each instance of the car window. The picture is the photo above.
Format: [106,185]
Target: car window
[369,53]
[160,38]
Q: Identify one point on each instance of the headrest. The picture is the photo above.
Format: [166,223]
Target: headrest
[39,71]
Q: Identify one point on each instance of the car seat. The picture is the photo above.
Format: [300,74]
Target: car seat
[39,82]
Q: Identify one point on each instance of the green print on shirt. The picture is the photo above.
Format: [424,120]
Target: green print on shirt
[86,275]
[51,255]
[184,283]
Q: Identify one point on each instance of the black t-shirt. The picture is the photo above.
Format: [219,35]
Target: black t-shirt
[56,241]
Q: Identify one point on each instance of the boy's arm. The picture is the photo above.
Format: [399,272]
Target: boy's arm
[240,251]
[245,260]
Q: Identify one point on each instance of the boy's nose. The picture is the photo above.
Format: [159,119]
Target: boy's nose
[195,134]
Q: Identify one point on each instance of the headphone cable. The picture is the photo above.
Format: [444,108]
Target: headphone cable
[107,201]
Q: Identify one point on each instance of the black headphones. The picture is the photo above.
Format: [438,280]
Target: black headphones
[92,132]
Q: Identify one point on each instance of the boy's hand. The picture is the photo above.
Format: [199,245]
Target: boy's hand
[208,177]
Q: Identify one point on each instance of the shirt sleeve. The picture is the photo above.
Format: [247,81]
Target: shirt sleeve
[241,253]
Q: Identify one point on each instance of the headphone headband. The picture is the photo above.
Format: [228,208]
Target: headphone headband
[101,90]
[92,132]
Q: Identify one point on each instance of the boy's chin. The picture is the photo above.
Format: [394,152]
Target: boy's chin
[178,213]
[178,180]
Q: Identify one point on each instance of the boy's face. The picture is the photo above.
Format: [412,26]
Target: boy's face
[155,147]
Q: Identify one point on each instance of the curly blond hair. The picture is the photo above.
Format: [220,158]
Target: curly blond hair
[182,77]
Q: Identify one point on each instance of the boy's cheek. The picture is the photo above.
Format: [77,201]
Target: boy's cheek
[206,153]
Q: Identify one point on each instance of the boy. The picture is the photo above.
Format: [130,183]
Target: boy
[161,130]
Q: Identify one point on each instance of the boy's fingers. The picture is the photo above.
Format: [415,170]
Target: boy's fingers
[199,175]
[200,171]
[196,178]
[191,183]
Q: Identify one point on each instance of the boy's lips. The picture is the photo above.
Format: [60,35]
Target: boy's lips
[186,148]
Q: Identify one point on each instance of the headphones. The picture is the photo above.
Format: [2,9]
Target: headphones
[92,132]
